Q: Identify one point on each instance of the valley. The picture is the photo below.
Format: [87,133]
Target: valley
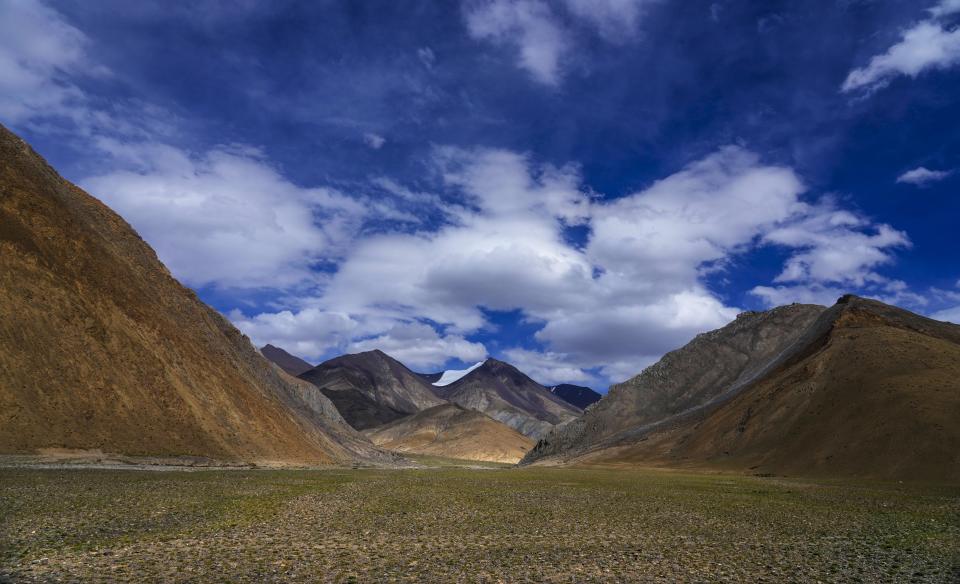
[471,525]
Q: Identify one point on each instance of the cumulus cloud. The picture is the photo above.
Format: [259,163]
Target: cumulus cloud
[922,176]
[39,50]
[225,217]
[420,346]
[633,291]
[928,45]
[835,245]
[547,367]
[309,332]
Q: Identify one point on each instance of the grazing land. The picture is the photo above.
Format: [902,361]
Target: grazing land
[457,524]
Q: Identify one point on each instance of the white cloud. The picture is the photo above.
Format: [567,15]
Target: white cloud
[923,176]
[634,291]
[309,333]
[419,346]
[547,368]
[835,246]
[946,8]
[947,314]
[375,141]
[926,46]
[528,25]
[225,217]
[545,37]
[39,51]
[614,19]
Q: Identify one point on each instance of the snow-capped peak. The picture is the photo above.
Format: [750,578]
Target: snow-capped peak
[452,375]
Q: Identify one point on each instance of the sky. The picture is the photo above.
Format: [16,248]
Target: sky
[573,186]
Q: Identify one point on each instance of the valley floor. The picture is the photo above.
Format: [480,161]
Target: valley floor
[456,524]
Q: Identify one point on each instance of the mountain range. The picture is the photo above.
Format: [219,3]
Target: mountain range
[103,351]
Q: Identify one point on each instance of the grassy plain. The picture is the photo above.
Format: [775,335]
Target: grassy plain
[471,525]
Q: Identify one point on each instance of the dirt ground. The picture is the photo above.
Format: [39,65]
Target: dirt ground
[450,524]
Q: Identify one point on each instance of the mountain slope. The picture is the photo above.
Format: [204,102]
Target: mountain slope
[451,431]
[867,390]
[711,364]
[371,388]
[576,395]
[292,364]
[505,394]
[100,348]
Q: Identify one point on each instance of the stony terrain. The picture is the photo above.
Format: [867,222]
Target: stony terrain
[101,348]
[507,395]
[449,524]
[452,431]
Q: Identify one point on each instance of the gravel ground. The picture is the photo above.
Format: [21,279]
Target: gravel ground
[453,525]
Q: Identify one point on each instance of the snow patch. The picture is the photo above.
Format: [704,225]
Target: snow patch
[452,375]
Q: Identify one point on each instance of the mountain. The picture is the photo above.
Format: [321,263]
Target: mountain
[371,389]
[451,431]
[290,363]
[711,364]
[505,394]
[863,389]
[576,395]
[101,348]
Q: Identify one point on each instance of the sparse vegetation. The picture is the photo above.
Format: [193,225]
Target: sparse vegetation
[448,524]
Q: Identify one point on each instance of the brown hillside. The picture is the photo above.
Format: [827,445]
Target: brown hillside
[712,364]
[453,432]
[869,390]
[100,348]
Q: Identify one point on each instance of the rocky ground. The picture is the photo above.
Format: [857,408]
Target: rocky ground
[455,524]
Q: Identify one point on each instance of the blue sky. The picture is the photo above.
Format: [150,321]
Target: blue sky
[574,186]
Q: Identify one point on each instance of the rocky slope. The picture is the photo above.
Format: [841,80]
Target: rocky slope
[505,394]
[576,395]
[865,390]
[451,431]
[100,348]
[292,364]
[371,388]
[710,365]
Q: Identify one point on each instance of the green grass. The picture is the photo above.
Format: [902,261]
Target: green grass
[451,523]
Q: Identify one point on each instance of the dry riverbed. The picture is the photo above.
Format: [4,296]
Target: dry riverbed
[456,524]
